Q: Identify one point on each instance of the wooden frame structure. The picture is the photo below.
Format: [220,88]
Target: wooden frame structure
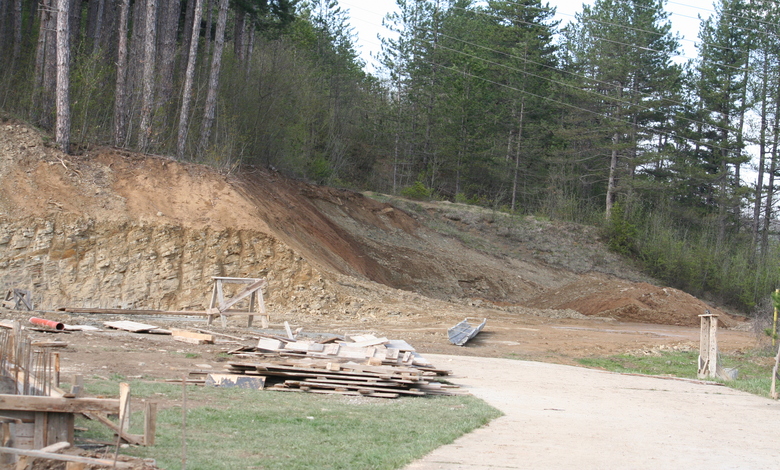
[222,307]
[708,346]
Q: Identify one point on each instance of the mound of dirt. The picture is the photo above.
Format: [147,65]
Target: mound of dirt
[114,229]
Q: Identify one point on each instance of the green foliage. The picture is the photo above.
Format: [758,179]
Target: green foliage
[416,191]
[621,234]
[320,170]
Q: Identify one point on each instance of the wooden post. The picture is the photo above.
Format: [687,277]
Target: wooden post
[773,392]
[774,322]
[55,359]
[150,423]
[124,406]
[708,346]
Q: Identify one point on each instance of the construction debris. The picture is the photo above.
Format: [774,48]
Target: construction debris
[192,338]
[461,333]
[365,366]
[47,323]
[36,416]
[135,327]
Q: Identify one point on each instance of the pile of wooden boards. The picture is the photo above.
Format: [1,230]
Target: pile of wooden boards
[366,366]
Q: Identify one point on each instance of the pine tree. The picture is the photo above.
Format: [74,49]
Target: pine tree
[624,51]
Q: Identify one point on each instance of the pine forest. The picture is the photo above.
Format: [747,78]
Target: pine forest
[600,121]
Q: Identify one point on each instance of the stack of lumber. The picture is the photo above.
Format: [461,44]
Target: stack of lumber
[370,366]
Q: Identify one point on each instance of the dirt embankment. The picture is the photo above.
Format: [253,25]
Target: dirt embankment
[113,229]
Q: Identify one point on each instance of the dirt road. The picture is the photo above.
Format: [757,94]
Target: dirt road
[563,417]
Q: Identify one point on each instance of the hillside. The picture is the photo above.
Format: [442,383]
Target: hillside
[113,229]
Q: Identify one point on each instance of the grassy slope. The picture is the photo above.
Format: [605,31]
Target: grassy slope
[233,428]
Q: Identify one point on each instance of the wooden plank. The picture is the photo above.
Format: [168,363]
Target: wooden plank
[319,384]
[368,342]
[124,406]
[223,335]
[183,335]
[124,435]
[236,280]
[246,292]
[270,344]
[122,311]
[65,458]
[56,447]
[58,405]
[131,326]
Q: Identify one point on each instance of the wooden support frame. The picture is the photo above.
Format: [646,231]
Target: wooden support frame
[222,307]
[708,346]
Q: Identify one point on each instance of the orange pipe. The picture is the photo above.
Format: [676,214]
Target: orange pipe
[47,323]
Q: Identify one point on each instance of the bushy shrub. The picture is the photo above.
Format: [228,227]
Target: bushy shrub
[417,191]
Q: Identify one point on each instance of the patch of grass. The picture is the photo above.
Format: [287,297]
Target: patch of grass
[233,428]
[677,364]
[755,370]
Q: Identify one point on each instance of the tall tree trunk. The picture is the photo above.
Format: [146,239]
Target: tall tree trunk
[63,75]
[189,78]
[518,152]
[75,22]
[168,27]
[17,17]
[612,182]
[187,36]
[120,94]
[770,189]
[216,62]
[209,9]
[4,7]
[761,152]
[238,34]
[147,97]
[98,34]
[250,47]
[49,67]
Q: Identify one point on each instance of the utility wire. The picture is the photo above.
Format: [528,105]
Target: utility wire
[600,95]
[561,103]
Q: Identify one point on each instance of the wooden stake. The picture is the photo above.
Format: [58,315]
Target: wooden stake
[184,423]
[124,406]
[150,423]
[56,367]
[773,392]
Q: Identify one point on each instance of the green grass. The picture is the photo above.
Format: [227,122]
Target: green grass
[755,368]
[235,429]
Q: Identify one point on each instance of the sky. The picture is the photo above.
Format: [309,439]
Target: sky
[366,19]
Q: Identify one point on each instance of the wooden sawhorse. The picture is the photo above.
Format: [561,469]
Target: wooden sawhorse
[254,290]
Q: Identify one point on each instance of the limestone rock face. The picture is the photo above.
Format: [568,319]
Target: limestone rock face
[79,262]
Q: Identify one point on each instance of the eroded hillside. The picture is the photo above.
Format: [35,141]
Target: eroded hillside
[112,229]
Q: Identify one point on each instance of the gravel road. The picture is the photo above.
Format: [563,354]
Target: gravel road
[563,417]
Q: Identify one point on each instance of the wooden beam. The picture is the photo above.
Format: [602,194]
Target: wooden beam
[57,405]
[122,311]
[127,437]
[64,458]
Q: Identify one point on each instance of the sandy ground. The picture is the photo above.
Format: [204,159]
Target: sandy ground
[562,417]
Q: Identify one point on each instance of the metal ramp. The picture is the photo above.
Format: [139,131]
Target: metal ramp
[461,333]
